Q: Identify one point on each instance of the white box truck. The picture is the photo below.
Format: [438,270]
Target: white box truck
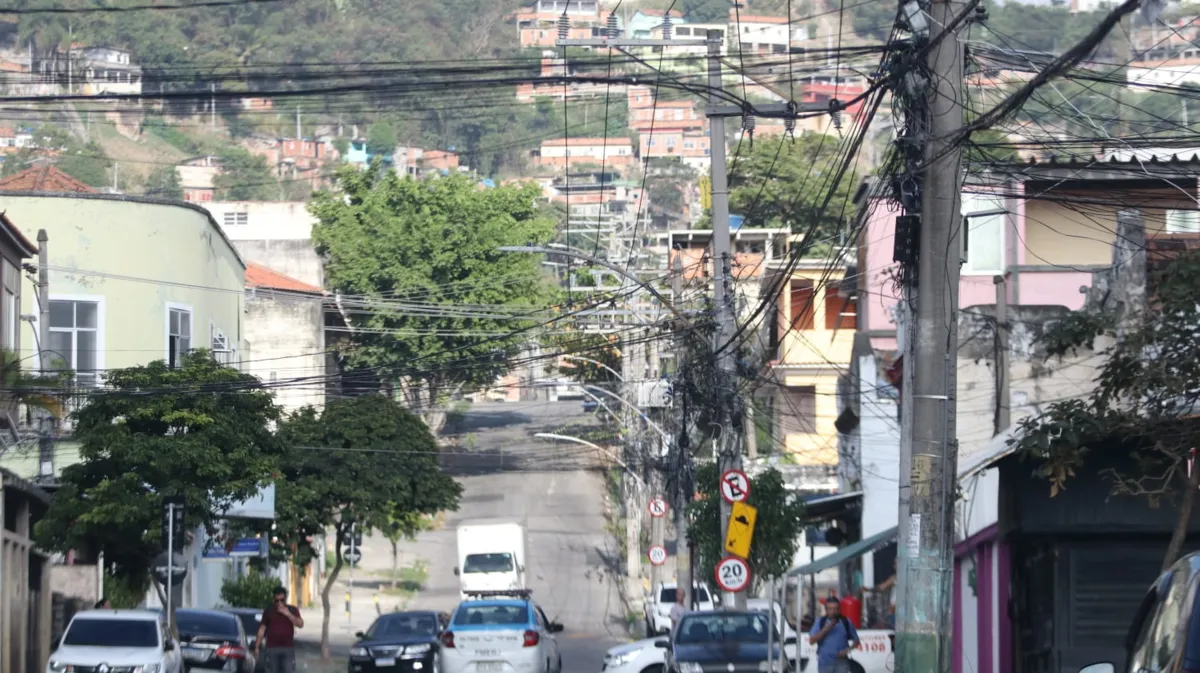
[491,556]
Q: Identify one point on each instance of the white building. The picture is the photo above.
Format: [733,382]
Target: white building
[274,234]
[1184,69]
[751,34]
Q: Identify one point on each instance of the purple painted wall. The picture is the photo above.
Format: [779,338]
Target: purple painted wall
[989,555]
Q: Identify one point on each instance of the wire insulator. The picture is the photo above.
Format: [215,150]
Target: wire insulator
[564,27]
[836,117]
[748,123]
[614,28]
[666,26]
[789,125]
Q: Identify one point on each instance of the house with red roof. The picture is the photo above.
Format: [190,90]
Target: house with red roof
[285,326]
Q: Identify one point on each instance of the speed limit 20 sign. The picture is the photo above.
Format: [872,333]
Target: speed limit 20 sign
[658,555]
[733,574]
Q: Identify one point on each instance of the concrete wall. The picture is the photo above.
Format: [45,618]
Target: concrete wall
[135,258]
[276,234]
[288,337]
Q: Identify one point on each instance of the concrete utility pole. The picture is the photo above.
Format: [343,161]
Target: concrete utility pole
[683,554]
[1003,397]
[212,106]
[928,446]
[43,297]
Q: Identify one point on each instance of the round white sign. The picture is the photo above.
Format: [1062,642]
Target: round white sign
[658,555]
[735,486]
[733,574]
[657,507]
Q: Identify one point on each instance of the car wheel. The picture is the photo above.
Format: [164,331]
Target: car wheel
[856,667]
[656,668]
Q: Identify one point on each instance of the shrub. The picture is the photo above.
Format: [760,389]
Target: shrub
[254,590]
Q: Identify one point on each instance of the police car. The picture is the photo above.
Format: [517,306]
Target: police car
[500,632]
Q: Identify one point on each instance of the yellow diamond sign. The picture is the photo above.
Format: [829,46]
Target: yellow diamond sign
[741,529]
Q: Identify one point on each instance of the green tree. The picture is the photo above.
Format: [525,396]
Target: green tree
[776,532]
[382,139]
[362,460]
[388,237]
[163,182]
[244,177]
[1144,401]
[784,184]
[402,525]
[200,431]
[705,11]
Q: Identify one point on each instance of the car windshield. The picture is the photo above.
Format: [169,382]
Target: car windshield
[488,563]
[722,627]
[112,633]
[199,623]
[667,595]
[473,615]
[400,626]
[249,623]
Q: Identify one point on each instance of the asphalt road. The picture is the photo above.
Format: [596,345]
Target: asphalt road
[556,489]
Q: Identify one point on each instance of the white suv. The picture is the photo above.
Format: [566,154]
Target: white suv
[116,641]
[658,606]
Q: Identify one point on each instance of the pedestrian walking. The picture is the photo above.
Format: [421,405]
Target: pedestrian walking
[680,608]
[834,637]
[278,629]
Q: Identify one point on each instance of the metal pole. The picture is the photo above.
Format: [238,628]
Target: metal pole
[43,301]
[1003,408]
[350,572]
[683,553]
[926,564]
[212,106]
[728,451]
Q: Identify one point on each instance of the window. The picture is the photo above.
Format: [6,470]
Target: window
[984,234]
[219,344]
[203,623]
[1183,221]
[802,304]
[179,333]
[511,614]
[840,312]
[74,336]
[799,411]
[112,633]
[235,219]
[488,563]
[10,313]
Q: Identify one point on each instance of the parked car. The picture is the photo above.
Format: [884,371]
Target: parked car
[590,405]
[658,606]
[498,635]
[641,656]
[126,639]
[250,618]
[1165,632]
[213,640]
[726,640]
[400,642]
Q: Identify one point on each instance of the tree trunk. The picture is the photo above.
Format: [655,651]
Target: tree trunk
[325,607]
[1185,517]
[395,560]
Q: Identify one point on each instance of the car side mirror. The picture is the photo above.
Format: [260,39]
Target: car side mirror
[1099,667]
[360,635]
[665,644]
[554,627]
[169,646]
[456,571]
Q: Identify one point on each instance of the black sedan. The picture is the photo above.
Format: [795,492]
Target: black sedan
[250,618]
[399,642]
[722,641]
[212,640]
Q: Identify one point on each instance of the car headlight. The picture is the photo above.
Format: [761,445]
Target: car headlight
[690,667]
[417,650]
[358,652]
[624,658]
[148,668]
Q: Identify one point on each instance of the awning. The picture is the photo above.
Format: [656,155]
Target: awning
[827,507]
[873,543]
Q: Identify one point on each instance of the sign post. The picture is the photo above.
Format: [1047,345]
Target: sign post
[173,513]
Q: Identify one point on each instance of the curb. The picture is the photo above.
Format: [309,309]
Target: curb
[628,603]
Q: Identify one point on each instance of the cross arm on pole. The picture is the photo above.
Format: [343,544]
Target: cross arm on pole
[772,110]
[618,42]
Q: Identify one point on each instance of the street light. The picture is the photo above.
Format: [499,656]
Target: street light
[595,362]
[633,407]
[610,454]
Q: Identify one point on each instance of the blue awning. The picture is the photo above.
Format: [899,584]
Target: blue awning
[873,543]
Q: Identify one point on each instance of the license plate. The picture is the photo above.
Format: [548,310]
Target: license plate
[487,653]
[193,654]
[487,666]
[390,661]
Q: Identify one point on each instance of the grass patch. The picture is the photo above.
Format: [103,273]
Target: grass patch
[408,580]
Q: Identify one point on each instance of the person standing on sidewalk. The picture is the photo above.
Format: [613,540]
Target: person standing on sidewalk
[680,608]
[834,637]
[278,627]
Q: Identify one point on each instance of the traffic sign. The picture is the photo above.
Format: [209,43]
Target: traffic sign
[733,574]
[171,566]
[352,556]
[658,555]
[735,486]
[657,507]
[173,510]
[741,529]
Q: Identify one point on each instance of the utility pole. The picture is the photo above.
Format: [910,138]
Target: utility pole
[212,106]
[928,446]
[1003,397]
[683,553]
[43,301]
[298,135]
[729,450]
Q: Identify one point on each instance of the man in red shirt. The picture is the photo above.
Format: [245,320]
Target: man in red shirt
[278,628]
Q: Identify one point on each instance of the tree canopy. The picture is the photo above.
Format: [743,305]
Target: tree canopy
[363,460]
[163,182]
[1145,398]
[156,432]
[244,177]
[776,532]
[438,305]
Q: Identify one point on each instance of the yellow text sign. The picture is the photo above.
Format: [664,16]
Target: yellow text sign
[741,530]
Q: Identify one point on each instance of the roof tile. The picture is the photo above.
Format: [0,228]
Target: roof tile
[258,275]
[45,178]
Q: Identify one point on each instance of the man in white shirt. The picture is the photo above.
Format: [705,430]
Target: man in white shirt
[679,609]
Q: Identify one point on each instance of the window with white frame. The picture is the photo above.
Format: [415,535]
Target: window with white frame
[222,351]
[74,335]
[12,306]
[179,334]
[236,219]
[1183,221]
[984,233]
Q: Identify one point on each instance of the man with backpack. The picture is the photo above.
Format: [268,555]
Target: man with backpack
[834,637]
